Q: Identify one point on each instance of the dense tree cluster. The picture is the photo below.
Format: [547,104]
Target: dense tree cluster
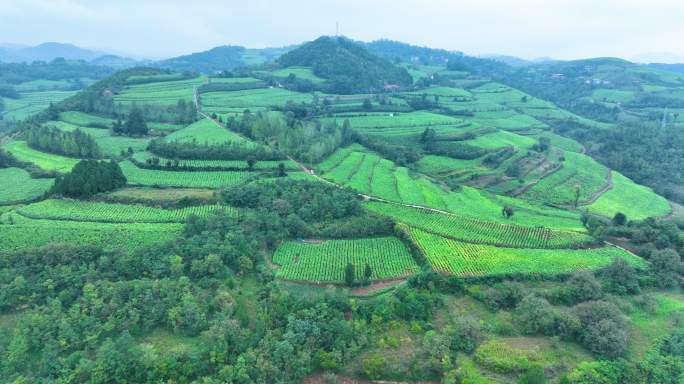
[348,66]
[90,177]
[135,124]
[304,140]
[294,208]
[75,143]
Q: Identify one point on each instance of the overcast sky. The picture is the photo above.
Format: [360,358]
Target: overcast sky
[564,29]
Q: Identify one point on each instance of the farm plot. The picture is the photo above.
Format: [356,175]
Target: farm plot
[500,139]
[147,177]
[206,132]
[466,259]
[18,186]
[128,237]
[161,93]
[45,161]
[636,201]
[578,174]
[75,210]
[30,103]
[401,124]
[479,231]
[223,101]
[85,120]
[143,157]
[326,262]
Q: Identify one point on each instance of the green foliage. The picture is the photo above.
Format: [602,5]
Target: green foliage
[89,177]
[75,144]
[347,66]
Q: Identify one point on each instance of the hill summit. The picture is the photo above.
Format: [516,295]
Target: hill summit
[348,66]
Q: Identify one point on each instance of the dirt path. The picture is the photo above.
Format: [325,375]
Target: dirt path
[597,194]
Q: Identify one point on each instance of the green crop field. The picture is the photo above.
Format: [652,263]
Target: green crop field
[130,236]
[75,210]
[401,124]
[250,98]
[43,160]
[577,170]
[160,93]
[84,119]
[148,177]
[30,103]
[501,139]
[431,164]
[635,201]
[466,259]
[325,262]
[207,132]
[208,164]
[478,231]
[18,186]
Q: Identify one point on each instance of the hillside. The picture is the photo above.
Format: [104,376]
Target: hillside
[347,66]
[297,221]
[46,52]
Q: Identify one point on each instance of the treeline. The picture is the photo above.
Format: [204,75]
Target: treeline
[88,178]
[75,143]
[305,140]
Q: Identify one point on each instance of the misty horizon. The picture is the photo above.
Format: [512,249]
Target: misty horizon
[529,30]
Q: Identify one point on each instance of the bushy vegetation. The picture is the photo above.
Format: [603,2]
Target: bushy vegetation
[89,177]
[348,67]
[75,144]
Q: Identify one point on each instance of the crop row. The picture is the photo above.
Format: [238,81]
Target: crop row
[480,231]
[75,210]
[466,259]
[148,177]
[326,262]
[128,237]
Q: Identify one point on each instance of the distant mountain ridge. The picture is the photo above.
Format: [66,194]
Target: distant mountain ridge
[46,52]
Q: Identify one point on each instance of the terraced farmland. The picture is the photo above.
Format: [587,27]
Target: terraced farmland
[30,103]
[148,177]
[401,124]
[325,262]
[75,210]
[474,260]
[43,160]
[159,93]
[577,171]
[478,231]
[18,186]
[637,202]
[224,101]
[366,172]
